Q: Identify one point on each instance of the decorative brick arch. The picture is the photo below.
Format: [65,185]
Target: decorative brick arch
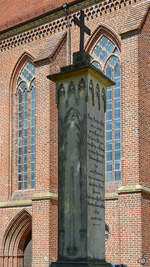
[15,238]
[102,29]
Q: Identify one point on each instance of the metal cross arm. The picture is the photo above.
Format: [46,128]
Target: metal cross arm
[83,28]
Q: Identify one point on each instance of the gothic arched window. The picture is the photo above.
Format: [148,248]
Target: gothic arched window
[105,56]
[25,127]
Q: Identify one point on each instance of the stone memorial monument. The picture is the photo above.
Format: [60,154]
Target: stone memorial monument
[81,101]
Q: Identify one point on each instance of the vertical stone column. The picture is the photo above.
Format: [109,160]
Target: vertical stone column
[81,105]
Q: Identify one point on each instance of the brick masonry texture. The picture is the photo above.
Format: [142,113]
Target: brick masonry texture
[19,11]
[44,42]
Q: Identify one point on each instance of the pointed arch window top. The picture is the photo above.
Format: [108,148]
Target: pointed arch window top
[103,50]
[26,78]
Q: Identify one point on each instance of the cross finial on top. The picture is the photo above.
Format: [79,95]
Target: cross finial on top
[83,28]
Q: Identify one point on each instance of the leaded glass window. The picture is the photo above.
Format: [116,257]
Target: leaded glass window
[25,127]
[105,56]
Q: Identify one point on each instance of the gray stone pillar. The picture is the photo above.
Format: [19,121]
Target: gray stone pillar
[81,101]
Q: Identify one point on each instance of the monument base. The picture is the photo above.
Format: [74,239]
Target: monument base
[81,264]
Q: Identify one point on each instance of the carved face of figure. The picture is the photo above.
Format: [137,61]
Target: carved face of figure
[73,118]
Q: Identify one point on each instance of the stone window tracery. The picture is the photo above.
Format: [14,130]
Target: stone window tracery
[105,56]
[25,127]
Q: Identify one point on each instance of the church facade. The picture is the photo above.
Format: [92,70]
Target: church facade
[35,41]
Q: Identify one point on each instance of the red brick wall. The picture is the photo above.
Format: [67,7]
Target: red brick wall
[20,11]
[145,228]
[44,231]
[144,121]
[130,229]
[144,102]
[127,217]
[112,219]
[130,111]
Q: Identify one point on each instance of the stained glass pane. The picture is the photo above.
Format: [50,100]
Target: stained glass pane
[108,135]
[117,134]
[109,125]
[109,176]
[25,158]
[23,86]
[109,146]
[25,184]
[32,157]
[117,71]
[97,50]
[103,41]
[109,167]
[117,165]
[20,99]
[109,105]
[117,124]
[117,103]
[109,156]
[19,168]
[19,159]
[112,61]
[103,55]
[32,149]
[117,145]
[117,113]
[109,95]
[109,115]
[117,175]
[25,149]
[110,46]
[116,52]
[97,65]
[33,182]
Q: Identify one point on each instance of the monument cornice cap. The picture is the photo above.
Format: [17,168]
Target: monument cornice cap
[79,69]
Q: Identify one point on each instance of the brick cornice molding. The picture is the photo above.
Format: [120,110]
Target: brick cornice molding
[44,196]
[55,21]
[111,196]
[28,202]
[16,203]
[133,189]
[53,196]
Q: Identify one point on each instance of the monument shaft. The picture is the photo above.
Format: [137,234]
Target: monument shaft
[81,168]
[81,105]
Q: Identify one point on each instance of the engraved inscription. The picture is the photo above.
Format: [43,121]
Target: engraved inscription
[95,172]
